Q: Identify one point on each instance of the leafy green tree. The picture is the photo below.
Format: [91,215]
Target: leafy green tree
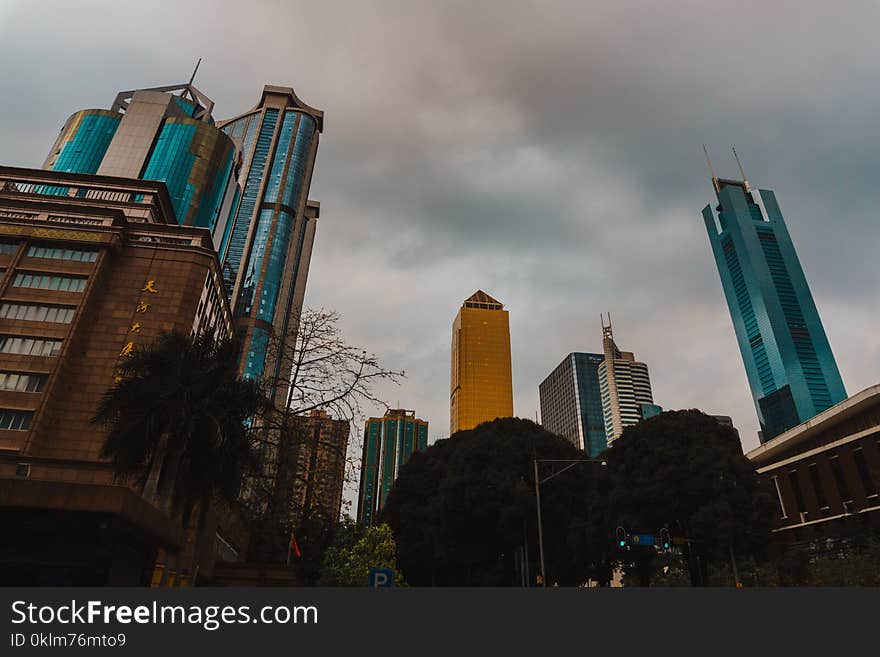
[463,511]
[686,471]
[355,550]
[176,422]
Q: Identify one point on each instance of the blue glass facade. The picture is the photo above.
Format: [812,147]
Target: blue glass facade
[256,353]
[586,367]
[195,166]
[249,198]
[389,442]
[189,155]
[85,140]
[171,162]
[266,214]
[571,402]
[789,363]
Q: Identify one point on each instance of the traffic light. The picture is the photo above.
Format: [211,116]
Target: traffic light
[664,540]
[621,538]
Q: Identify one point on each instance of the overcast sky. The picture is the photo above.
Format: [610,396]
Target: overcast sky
[548,153]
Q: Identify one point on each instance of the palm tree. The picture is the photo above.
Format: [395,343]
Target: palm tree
[178,423]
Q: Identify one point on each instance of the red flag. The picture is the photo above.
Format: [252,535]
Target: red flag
[293,546]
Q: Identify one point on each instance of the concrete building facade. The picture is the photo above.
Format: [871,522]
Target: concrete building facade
[825,473]
[84,279]
[625,387]
[316,467]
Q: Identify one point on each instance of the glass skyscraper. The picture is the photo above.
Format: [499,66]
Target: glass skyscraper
[245,179]
[791,371]
[389,442]
[265,241]
[481,384]
[571,402]
[154,134]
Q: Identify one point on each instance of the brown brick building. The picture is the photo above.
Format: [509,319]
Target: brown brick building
[90,267]
[317,465]
[826,472]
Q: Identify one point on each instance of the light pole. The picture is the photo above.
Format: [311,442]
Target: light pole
[538,481]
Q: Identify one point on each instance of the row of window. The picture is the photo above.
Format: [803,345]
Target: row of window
[23,381]
[822,499]
[15,420]
[37,313]
[10,344]
[49,282]
[79,255]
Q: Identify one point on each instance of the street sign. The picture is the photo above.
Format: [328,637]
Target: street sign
[643,540]
[381,578]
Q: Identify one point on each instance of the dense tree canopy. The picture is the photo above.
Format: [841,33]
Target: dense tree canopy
[686,471]
[354,551]
[463,509]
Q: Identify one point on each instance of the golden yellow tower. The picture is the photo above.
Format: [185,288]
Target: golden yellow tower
[481,387]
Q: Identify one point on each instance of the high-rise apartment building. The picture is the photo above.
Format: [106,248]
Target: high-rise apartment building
[571,402]
[85,278]
[481,385]
[165,134]
[265,242]
[316,466]
[625,387]
[789,364]
[389,441]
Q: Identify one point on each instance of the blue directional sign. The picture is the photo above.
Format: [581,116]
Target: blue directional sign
[644,540]
[381,578]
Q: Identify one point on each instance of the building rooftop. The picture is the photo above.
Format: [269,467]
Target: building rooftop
[822,422]
[480,299]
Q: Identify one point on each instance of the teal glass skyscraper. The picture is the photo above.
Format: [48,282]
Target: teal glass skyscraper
[265,241]
[791,371]
[162,133]
[389,442]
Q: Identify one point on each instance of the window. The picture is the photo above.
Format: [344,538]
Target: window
[15,420]
[798,495]
[864,473]
[40,281]
[817,486]
[839,479]
[22,381]
[34,313]
[81,255]
[10,344]
[6,247]
[779,497]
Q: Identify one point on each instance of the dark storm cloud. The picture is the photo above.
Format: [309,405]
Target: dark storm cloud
[547,152]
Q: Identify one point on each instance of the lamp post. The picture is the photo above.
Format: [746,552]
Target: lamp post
[538,481]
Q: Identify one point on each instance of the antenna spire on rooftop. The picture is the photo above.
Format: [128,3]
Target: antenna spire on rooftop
[193,76]
[742,173]
[711,172]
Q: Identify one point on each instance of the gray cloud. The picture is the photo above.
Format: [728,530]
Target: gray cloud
[547,152]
